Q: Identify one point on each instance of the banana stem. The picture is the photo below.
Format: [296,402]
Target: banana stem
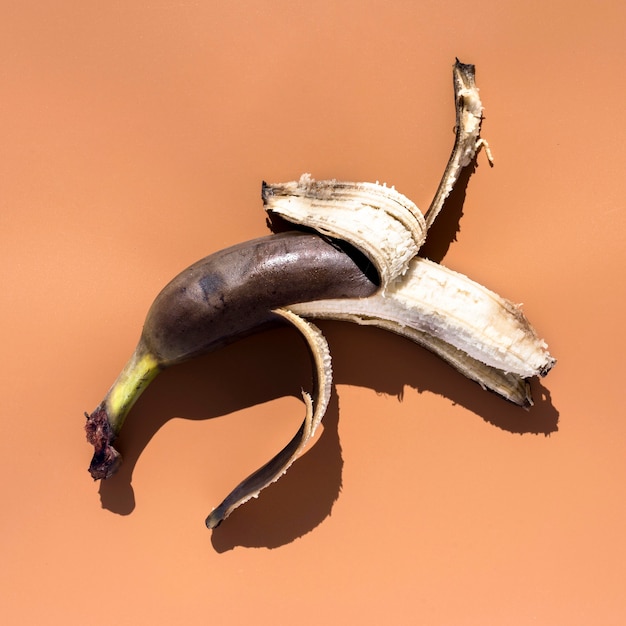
[104,424]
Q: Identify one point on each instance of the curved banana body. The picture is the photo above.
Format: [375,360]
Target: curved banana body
[361,266]
[217,300]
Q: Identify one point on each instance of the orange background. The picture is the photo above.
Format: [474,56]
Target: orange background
[134,137]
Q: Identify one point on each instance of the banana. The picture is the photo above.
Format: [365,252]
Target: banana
[219,299]
[360,264]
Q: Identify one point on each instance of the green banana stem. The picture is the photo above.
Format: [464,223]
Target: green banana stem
[104,424]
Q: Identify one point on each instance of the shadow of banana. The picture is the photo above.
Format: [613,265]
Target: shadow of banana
[275,364]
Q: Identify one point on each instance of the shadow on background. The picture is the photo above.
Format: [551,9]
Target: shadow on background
[275,364]
[444,229]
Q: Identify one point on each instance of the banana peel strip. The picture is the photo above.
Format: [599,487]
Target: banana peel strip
[315,409]
[467,141]
[449,307]
[509,386]
[377,220]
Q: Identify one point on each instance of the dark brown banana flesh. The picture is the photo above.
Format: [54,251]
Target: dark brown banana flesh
[221,298]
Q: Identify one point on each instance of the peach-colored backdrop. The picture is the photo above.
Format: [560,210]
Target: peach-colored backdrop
[134,137]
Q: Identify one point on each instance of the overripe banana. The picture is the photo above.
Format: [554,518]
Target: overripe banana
[219,299]
[360,264]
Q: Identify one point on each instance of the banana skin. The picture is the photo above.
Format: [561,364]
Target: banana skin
[223,297]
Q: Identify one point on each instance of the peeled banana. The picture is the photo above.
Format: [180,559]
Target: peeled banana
[357,261]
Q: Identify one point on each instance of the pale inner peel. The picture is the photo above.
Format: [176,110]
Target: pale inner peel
[447,305]
[377,220]
[316,406]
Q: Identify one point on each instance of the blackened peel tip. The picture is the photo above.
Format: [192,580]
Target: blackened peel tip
[266,192]
[466,68]
[551,363]
[213,520]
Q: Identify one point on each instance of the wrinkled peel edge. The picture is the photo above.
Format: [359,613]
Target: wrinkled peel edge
[316,405]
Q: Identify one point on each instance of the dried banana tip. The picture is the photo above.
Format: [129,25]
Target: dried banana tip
[106,459]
